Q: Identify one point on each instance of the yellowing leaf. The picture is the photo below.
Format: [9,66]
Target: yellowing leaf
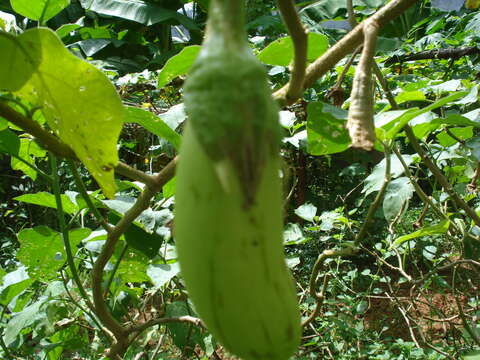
[472,4]
[78,101]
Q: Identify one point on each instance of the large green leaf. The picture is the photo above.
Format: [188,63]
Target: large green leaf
[17,62]
[23,319]
[79,103]
[40,10]
[133,267]
[42,250]
[161,274]
[14,283]
[138,11]
[139,239]
[280,51]
[178,65]
[152,123]
[461,133]
[326,133]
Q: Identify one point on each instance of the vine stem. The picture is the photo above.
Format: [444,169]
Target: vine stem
[83,192]
[64,230]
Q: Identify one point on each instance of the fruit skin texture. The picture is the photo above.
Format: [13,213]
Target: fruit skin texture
[228,203]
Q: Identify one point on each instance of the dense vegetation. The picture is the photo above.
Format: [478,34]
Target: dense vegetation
[384,244]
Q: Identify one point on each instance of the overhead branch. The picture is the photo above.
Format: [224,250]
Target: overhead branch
[450,53]
[53,144]
[345,46]
[300,41]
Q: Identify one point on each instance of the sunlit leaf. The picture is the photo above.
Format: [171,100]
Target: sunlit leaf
[398,193]
[326,133]
[406,117]
[178,65]
[306,211]
[152,123]
[83,107]
[42,10]
[374,181]
[161,274]
[280,52]
[48,200]
[42,250]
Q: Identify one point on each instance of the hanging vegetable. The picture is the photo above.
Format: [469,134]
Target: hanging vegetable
[228,216]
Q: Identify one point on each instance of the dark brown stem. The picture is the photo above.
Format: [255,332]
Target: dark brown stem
[46,139]
[140,205]
[51,143]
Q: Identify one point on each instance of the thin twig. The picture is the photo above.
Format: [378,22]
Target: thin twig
[141,204]
[182,319]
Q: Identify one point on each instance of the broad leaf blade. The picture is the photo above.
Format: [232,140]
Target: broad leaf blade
[79,103]
[42,10]
[42,250]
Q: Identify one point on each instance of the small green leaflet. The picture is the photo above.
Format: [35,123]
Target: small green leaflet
[178,65]
[440,228]
[403,119]
[280,51]
[152,123]
[48,200]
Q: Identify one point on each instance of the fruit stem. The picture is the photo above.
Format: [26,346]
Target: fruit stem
[226,25]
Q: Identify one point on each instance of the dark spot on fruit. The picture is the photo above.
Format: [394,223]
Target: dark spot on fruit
[289,332]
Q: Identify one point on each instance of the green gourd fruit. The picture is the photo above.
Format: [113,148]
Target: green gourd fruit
[228,204]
